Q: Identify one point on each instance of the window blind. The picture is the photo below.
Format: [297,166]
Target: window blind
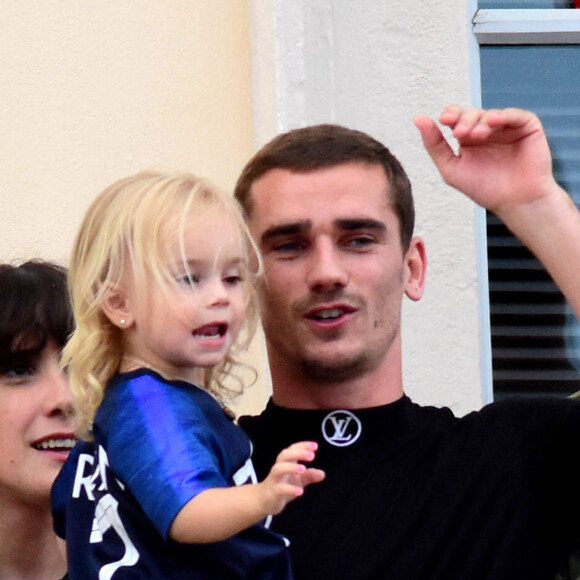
[535,336]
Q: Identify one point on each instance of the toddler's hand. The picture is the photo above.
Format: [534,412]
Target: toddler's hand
[289,476]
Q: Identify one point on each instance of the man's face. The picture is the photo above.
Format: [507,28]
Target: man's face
[334,269]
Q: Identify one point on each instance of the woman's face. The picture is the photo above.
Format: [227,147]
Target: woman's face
[36,431]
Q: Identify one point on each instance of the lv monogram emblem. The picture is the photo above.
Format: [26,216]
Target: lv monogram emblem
[341,428]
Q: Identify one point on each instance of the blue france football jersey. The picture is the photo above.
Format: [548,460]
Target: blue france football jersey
[157,444]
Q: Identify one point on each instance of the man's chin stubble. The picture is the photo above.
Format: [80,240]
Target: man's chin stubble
[334,372]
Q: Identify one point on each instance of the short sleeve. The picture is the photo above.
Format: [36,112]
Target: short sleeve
[159,443]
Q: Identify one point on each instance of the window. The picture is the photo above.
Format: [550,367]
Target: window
[529,58]
[513,4]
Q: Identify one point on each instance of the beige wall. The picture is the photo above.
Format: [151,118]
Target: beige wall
[93,91]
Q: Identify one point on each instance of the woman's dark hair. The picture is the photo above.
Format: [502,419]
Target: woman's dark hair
[34,308]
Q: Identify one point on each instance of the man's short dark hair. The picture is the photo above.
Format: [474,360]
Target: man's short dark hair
[321,146]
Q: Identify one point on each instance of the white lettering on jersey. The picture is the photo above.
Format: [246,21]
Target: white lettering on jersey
[245,474]
[106,517]
[83,480]
[106,510]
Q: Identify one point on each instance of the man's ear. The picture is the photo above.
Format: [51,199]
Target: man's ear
[116,306]
[415,269]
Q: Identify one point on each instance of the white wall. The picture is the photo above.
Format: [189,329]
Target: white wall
[373,66]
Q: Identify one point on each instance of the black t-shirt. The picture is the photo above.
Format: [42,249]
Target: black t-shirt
[415,493]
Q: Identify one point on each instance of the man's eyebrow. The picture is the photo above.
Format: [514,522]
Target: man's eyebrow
[288,229]
[350,224]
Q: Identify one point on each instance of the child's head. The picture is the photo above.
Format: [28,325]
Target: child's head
[159,274]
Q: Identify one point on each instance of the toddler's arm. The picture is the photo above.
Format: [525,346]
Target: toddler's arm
[218,513]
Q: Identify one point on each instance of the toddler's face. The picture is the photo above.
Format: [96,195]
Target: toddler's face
[193,323]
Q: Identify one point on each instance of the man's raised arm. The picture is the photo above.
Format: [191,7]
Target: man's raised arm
[504,164]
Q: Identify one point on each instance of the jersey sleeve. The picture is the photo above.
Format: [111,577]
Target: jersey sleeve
[160,445]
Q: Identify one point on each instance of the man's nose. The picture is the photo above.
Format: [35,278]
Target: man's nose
[326,268]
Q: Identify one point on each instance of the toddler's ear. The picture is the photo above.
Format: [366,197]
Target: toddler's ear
[115,305]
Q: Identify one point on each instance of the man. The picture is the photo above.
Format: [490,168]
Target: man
[410,492]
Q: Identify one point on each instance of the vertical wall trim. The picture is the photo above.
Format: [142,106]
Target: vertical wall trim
[485,355]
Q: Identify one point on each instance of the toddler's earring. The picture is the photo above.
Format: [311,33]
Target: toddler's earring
[122,322]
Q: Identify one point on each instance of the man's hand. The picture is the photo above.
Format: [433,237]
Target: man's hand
[504,164]
[503,159]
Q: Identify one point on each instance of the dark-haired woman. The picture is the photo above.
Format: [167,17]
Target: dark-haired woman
[36,430]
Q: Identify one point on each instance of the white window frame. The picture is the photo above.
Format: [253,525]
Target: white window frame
[532,26]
